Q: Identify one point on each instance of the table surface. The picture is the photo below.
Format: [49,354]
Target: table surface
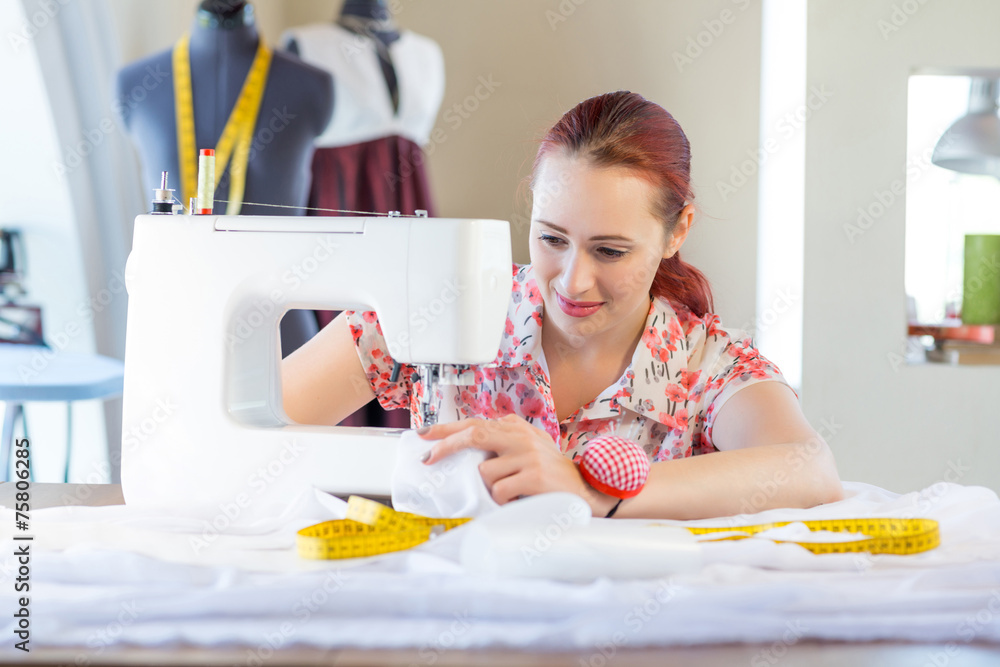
[802,654]
[36,373]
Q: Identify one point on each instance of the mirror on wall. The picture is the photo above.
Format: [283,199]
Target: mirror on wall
[952,195]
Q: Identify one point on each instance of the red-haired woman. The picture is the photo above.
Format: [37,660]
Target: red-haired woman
[608,332]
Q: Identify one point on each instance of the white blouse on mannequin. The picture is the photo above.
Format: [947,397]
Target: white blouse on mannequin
[362,108]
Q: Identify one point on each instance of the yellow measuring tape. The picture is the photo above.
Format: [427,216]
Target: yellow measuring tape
[237,134]
[371,528]
[885,536]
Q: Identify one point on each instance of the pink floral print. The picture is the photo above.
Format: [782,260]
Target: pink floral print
[684,369]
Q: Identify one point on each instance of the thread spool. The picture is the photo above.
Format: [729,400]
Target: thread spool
[206,181]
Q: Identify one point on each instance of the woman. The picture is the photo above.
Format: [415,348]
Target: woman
[608,331]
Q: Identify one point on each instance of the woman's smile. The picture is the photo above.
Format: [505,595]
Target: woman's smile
[578,308]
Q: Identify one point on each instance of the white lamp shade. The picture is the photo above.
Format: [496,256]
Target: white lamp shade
[971,145]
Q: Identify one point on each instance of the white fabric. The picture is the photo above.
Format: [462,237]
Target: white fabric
[452,487]
[362,108]
[117,585]
[553,536]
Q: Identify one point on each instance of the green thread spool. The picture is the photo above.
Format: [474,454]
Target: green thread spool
[981,279]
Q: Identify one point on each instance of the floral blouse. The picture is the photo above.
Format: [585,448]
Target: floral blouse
[683,371]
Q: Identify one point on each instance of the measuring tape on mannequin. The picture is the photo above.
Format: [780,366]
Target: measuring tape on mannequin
[371,529]
[237,135]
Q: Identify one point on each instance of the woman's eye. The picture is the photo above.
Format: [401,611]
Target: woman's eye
[611,253]
[550,240]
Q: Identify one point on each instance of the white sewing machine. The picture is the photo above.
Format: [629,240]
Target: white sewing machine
[204,432]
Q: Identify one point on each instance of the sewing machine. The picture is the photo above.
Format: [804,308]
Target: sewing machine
[204,431]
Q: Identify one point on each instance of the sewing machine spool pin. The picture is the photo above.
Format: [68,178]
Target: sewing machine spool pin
[163,197]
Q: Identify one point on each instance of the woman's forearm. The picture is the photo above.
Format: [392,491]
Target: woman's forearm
[741,481]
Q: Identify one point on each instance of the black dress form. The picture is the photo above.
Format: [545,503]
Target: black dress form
[297,105]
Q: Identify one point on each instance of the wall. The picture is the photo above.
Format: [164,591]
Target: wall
[544,57]
[898,426]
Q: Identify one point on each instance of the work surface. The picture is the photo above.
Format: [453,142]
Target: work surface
[81,596]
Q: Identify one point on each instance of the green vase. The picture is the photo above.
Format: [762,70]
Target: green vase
[981,279]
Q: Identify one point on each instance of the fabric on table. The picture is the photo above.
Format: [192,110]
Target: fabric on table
[116,587]
[452,487]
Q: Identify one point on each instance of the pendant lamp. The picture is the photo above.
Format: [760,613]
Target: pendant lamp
[972,144]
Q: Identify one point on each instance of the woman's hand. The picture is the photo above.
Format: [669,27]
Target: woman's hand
[527,462]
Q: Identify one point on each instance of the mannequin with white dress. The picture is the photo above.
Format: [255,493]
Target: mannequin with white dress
[389,84]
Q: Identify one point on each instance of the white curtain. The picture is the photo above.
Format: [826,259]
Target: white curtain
[78,55]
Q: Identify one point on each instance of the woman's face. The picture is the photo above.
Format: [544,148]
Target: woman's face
[595,246]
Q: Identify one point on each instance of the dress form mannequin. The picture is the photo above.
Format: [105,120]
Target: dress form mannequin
[389,85]
[373,19]
[297,105]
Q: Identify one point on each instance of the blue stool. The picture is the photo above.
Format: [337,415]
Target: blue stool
[35,373]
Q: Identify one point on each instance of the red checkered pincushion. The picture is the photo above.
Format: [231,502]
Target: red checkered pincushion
[615,466]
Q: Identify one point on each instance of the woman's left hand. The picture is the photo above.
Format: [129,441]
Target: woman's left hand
[527,462]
